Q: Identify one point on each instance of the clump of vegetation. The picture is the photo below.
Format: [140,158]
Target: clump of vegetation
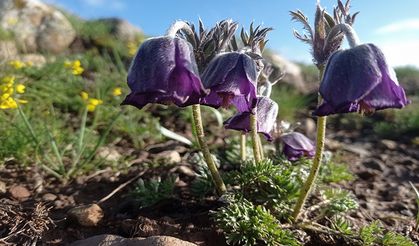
[247,224]
[150,192]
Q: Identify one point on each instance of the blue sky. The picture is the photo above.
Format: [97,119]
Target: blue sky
[392,25]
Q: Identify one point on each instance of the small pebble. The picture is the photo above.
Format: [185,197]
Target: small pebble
[19,192]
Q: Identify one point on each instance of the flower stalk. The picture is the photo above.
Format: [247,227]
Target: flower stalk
[197,120]
[255,142]
[243,154]
[308,185]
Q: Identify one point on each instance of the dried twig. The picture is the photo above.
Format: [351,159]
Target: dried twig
[120,187]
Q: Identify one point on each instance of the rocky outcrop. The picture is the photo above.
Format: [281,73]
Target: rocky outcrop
[293,73]
[122,29]
[36,27]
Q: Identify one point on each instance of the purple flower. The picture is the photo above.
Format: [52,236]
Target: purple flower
[296,145]
[232,79]
[359,80]
[164,71]
[267,110]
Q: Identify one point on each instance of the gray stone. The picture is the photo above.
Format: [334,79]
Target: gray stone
[19,192]
[389,144]
[8,50]
[36,26]
[49,197]
[374,164]
[2,187]
[293,73]
[86,215]
[113,240]
[122,29]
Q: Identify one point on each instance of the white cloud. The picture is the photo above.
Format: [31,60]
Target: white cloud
[401,52]
[404,25]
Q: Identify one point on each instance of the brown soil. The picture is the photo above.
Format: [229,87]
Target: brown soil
[382,171]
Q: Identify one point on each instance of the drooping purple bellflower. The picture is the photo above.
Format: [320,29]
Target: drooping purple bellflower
[359,80]
[267,111]
[296,145]
[164,71]
[231,77]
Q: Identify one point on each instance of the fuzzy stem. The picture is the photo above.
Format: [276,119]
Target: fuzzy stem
[177,26]
[218,182]
[243,153]
[308,185]
[254,132]
[349,32]
[262,155]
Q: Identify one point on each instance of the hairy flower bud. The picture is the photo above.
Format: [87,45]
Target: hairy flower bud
[267,111]
[359,80]
[164,71]
[231,77]
[296,145]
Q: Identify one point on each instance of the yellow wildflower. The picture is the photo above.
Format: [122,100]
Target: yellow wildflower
[91,103]
[12,21]
[8,103]
[17,64]
[75,67]
[84,95]
[132,48]
[117,91]
[20,88]
[7,93]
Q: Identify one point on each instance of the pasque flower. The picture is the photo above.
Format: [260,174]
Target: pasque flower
[231,77]
[267,111]
[164,71]
[296,145]
[359,80]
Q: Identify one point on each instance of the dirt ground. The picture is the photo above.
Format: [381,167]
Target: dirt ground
[382,169]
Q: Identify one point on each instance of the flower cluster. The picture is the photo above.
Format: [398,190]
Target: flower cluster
[8,91]
[91,103]
[165,71]
[208,68]
[74,66]
[17,64]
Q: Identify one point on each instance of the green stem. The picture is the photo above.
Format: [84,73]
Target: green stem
[308,185]
[28,126]
[82,130]
[197,120]
[321,130]
[254,132]
[243,147]
[262,155]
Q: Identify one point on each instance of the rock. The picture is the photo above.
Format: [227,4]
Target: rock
[309,126]
[122,29]
[36,60]
[169,156]
[332,144]
[8,50]
[36,26]
[185,170]
[389,144]
[2,187]
[293,73]
[19,192]
[49,197]
[113,240]
[109,154]
[359,149]
[86,215]
[374,164]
